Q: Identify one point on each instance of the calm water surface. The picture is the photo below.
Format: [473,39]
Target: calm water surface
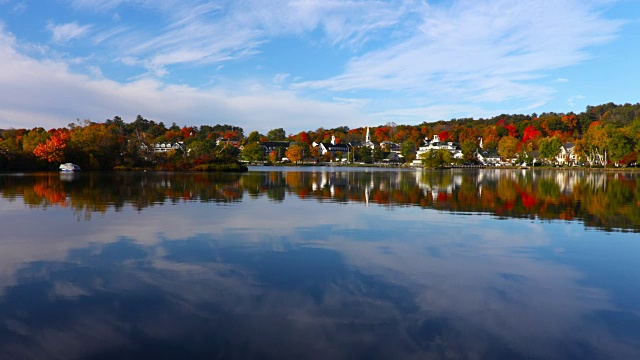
[321,264]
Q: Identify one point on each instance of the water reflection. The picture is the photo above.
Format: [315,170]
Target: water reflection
[300,269]
[603,200]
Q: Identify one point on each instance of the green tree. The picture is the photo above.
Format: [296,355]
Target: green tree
[436,158]
[339,155]
[93,146]
[253,137]
[619,145]
[469,148]
[408,150]
[252,152]
[550,148]
[364,155]
[198,148]
[34,138]
[594,144]
[377,154]
[276,134]
[11,141]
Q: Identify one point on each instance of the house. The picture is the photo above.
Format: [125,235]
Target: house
[486,157]
[223,141]
[393,158]
[333,148]
[164,147]
[535,157]
[388,146]
[435,145]
[567,155]
[278,146]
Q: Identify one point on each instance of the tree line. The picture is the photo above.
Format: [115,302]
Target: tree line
[603,134]
[115,144]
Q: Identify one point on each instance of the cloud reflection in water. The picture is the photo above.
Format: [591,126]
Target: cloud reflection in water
[299,279]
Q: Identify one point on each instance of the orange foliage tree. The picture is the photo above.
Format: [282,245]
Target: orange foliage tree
[295,153]
[53,149]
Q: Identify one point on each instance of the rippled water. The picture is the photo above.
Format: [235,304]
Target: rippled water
[321,264]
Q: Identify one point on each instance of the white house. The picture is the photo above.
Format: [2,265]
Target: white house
[567,155]
[333,148]
[488,158]
[436,145]
[164,147]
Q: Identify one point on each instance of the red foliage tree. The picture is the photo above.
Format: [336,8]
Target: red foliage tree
[187,132]
[513,132]
[444,135]
[381,134]
[304,137]
[530,133]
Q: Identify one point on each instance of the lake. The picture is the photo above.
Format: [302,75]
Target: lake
[321,263]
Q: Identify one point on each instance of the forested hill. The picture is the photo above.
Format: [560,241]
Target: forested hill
[568,127]
[609,129]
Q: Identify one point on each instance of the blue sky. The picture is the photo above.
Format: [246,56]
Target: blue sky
[304,64]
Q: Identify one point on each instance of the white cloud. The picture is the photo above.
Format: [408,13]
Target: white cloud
[99,5]
[48,94]
[457,59]
[202,32]
[278,79]
[108,34]
[19,8]
[483,51]
[355,101]
[430,113]
[65,32]
[572,100]
[350,23]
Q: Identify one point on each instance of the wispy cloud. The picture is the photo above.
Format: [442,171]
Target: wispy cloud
[19,8]
[47,93]
[202,32]
[572,100]
[105,35]
[65,32]
[99,5]
[481,51]
[355,101]
[392,60]
[349,23]
[278,79]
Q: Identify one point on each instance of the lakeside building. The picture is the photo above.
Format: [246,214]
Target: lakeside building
[223,141]
[486,157]
[164,147]
[333,148]
[278,146]
[567,155]
[435,145]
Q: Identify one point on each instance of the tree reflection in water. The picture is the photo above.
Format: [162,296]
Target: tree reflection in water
[604,200]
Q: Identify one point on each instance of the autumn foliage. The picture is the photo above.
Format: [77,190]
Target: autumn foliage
[53,149]
[603,134]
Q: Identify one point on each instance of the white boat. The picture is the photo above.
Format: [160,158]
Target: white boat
[69,167]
